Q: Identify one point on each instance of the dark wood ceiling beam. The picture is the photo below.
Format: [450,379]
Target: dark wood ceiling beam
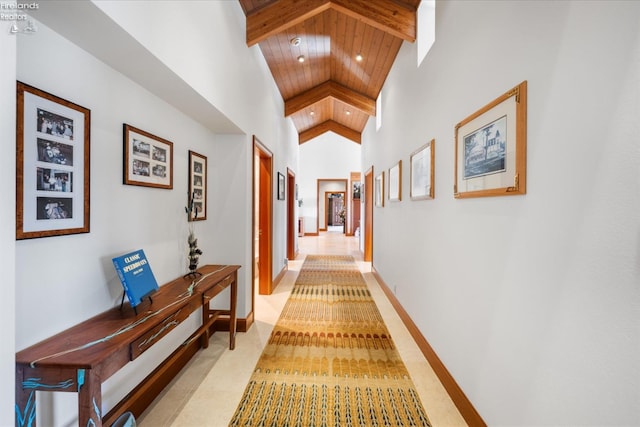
[330,126]
[330,89]
[280,15]
[395,18]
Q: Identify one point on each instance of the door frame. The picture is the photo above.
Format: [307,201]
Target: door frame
[368,215]
[292,226]
[327,197]
[262,185]
[319,197]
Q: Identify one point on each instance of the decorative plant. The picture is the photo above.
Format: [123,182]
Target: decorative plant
[194,252]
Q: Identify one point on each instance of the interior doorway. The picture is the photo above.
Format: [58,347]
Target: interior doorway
[335,210]
[327,187]
[262,218]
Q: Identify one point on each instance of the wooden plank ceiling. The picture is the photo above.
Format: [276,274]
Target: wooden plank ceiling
[331,90]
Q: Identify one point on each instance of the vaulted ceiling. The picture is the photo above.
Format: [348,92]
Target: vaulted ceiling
[330,58]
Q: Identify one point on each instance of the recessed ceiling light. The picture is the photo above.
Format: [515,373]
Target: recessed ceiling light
[358,57]
[312,113]
[295,41]
[301,58]
[348,113]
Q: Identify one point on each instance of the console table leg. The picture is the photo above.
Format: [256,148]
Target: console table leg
[89,399]
[25,402]
[232,313]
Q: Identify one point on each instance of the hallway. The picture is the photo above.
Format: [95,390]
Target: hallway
[207,391]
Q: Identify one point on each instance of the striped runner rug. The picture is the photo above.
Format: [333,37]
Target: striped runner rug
[330,360]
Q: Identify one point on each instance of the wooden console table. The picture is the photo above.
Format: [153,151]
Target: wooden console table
[82,357]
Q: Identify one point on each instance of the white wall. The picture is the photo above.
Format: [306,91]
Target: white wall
[203,42]
[530,301]
[7,223]
[328,156]
[61,281]
[74,278]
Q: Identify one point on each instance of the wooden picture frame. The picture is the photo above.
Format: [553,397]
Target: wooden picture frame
[422,172]
[281,189]
[490,151]
[395,182]
[378,190]
[197,186]
[148,159]
[52,165]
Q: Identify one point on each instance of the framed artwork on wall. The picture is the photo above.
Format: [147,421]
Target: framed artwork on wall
[395,182]
[148,159]
[422,166]
[357,190]
[491,144]
[378,191]
[52,165]
[197,186]
[280,186]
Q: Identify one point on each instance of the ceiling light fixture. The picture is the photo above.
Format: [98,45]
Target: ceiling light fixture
[312,113]
[301,58]
[358,57]
[348,113]
[295,41]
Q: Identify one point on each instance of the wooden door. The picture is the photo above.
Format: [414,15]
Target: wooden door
[292,223]
[263,223]
[368,215]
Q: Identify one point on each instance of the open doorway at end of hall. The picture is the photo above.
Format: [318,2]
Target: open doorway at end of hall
[332,206]
[335,212]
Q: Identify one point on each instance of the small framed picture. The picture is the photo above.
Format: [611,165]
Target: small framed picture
[378,191]
[357,190]
[280,186]
[491,148]
[197,186]
[422,172]
[395,182]
[148,159]
[52,165]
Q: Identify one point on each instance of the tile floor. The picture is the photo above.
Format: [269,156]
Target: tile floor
[208,389]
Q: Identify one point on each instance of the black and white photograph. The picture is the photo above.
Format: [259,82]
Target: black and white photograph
[197,186]
[55,124]
[54,180]
[357,186]
[197,167]
[281,193]
[141,148]
[484,150]
[52,161]
[51,208]
[140,167]
[490,148]
[55,152]
[160,171]
[148,159]
[159,154]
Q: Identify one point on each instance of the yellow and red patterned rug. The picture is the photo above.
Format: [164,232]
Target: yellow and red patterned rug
[330,360]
